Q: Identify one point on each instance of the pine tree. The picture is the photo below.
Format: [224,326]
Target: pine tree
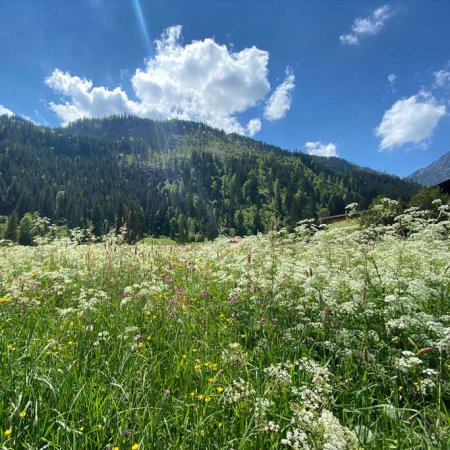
[135,222]
[11,228]
[26,230]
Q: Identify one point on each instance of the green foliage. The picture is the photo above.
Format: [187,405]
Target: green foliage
[322,338]
[11,227]
[161,240]
[425,197]
[26,230]
[173,178]
[381,212]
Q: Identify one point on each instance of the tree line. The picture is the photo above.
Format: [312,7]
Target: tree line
[173,178]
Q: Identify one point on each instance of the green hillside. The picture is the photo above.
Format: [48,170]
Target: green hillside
[174,178]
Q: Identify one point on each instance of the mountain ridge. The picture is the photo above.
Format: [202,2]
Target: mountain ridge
[175,178]
[435,173]
[81,126]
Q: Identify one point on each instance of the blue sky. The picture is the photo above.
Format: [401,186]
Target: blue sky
[368,81]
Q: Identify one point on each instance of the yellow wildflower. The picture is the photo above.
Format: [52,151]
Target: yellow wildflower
[207,398]
[22,414]
[219,389]
[8,432]
[135,447]
[200,397]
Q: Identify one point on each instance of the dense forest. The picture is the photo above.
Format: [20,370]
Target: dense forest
[173,178]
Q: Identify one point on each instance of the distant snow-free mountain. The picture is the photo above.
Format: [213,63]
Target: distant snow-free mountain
[434,173]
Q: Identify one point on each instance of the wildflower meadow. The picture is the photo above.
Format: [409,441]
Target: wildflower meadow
[323,338]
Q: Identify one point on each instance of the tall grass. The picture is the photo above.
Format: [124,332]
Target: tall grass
[319,339]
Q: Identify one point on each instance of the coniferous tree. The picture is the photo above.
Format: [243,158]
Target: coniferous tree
[135,222]
[26,230]
[175,178]
[11,227]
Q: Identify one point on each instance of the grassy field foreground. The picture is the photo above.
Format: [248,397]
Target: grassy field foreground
[333,339]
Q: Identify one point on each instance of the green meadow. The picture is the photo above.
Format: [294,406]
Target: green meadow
[318,339]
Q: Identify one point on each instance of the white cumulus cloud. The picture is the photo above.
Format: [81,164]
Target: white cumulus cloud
[4,110]
[409,120]
[279,102]
[253,127]
[86,100]
[367,26]
[202,81]
[319,149]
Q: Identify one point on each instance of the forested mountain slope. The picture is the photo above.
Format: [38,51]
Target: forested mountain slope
[175,178]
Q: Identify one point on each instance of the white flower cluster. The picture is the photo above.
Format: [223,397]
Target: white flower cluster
[296,439]
[261,407]
[234,354]
[325,432]
[278,375]
[88,299]
[408,361]
[238,391]
[271,427]
[143,291]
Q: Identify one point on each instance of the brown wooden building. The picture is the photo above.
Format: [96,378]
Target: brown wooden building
[339,218]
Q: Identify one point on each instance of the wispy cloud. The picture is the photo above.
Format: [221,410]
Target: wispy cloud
[319,149]
[279,102]
[367,26]
[392,78]
[442,78]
